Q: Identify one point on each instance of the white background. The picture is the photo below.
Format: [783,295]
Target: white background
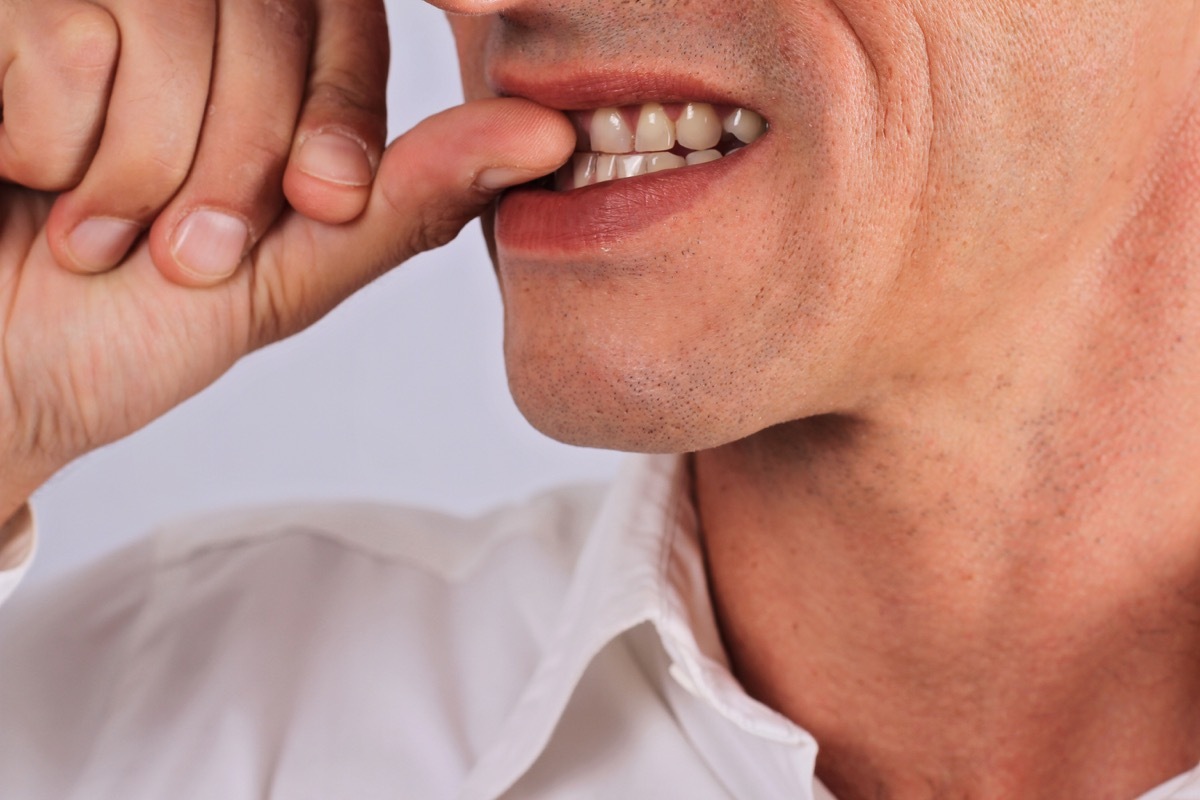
[398,395]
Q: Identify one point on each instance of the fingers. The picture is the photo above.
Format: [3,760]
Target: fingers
[234,192]
[153,122]
[196,145]
[56,61]
[431,182]
[342,128]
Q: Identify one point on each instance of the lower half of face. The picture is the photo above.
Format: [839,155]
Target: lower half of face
[687,308]
[678,310]
[689,282]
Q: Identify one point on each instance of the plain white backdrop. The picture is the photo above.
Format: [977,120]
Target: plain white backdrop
[399,395]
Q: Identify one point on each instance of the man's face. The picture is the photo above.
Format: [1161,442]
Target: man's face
[927,168]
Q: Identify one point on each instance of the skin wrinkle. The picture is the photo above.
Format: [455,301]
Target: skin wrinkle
[923,200]
[865,52]
[14,276]
[935,356]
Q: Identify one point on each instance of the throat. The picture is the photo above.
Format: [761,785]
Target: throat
[962,639]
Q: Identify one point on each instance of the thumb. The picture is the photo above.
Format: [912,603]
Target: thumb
[431,182]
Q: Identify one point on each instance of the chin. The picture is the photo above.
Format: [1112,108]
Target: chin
[589,401]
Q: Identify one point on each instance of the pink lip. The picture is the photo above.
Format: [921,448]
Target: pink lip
[580,90]
[538,222]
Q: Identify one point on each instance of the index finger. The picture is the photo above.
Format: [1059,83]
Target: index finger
[56,66]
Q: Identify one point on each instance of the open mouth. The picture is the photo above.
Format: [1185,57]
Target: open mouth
[684,156]
[626,142]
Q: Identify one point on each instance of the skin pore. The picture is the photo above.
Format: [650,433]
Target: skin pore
[943,396]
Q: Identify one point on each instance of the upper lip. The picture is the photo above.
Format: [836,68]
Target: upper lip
[577,89]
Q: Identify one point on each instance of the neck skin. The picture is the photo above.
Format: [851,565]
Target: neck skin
[987,585]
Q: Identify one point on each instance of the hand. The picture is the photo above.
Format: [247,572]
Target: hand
[202,135]
[86,359]
[90,355]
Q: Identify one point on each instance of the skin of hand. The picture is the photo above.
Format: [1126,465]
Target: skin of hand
[92,131]
[189,151]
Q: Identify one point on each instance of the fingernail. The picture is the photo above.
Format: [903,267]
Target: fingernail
[100,243]
[334,158]
[499,178]
[209,244]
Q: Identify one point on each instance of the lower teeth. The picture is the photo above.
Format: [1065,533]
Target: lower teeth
[589,169]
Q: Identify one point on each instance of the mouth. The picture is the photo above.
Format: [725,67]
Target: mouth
[617,143]
[652,149]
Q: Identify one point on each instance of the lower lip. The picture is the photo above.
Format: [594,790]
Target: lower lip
[542,222]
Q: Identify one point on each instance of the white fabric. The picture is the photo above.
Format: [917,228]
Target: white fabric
[562,649]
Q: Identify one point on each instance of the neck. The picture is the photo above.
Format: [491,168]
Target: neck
[987,585]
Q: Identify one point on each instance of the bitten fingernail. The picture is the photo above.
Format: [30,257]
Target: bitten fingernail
[334,158]
[99,244]
[210,244]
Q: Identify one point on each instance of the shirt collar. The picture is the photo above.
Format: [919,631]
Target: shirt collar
[642,562]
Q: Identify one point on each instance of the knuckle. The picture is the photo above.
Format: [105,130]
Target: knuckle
[272,320]
[52,169]
[340,92]
[170,170]
[269,148]
[86,40]
[59,177]
[289,18]
[279,306]
[184,15]
[146,186]
[254,170]
[436,228]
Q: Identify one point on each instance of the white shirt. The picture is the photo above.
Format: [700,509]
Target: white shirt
[565,648]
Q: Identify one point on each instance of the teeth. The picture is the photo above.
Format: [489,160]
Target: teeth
[661,162]
[611,147]
[698,127]
[746,125]
[606,168]
[655,131]
[610,133]
[631,166]
[585,169]
[702,157]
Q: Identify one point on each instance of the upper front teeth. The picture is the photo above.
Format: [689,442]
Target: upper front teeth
[610,133]
[655,132]
[617,143]
[695,126]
